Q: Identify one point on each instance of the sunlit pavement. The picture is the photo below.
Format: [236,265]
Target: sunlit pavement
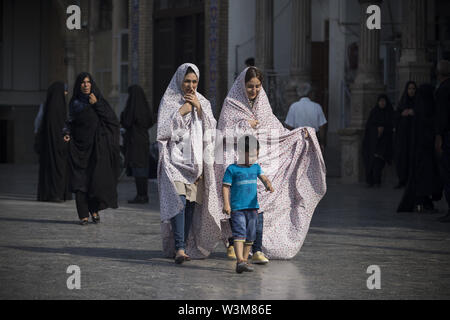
[352,229]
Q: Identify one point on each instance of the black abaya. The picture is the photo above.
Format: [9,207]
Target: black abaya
[377,149]
[403,134]
[94,147]
[53,152]
[423,178]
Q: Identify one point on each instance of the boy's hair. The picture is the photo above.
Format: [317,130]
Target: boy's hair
[249,142]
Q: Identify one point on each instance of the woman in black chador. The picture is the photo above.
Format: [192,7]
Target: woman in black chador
[137,118]
[53,152]
[377,144]
[93,132]
[404,115]
[424,184]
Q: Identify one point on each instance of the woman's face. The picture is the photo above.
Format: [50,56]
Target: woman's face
[411,90]
[252,88]
[86,86]
[190,83]
[382,103]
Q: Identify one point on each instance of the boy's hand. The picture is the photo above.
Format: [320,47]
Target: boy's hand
[226,209]
[270,188]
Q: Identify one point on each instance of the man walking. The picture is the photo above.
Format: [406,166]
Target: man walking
[306,113]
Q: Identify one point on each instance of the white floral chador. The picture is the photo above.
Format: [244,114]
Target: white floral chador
[292,162]
[186,146]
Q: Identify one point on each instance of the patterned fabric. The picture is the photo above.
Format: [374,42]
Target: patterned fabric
[186,146]
[294,165]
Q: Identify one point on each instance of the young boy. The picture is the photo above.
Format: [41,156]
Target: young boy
[240,184]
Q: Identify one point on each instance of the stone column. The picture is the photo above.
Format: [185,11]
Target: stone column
[364,91]
[264,56]
[300,68]
[216,53]
[413,64]
[118,24]
[93,26]
[146,47]
[264,35]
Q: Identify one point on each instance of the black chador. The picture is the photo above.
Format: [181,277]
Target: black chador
[423,184]
[94,149]
[136,119]
[377,144]
[53,152]
[404,117]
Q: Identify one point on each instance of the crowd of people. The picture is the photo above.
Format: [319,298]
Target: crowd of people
[416,137]
[208,170]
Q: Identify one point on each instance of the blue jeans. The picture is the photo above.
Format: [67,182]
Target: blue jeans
[257,245]
[244,225]
[181,224]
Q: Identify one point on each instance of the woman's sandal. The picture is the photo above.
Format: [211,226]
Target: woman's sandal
[95,218]
[84,222]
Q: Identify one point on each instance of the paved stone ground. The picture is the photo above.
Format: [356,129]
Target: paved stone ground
[353,228]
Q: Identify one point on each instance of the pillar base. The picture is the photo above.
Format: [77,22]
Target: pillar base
[352,169]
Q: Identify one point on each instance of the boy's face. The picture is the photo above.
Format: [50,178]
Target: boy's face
[250,158]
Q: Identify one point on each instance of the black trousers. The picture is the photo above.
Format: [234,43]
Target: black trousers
[141,186]
[85,205]
[374,172]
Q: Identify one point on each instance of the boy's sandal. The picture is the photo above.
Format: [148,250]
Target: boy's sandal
[179,259]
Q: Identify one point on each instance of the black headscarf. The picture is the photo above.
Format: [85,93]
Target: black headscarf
[79,100]
[137,118]
[137,110]
[407,102]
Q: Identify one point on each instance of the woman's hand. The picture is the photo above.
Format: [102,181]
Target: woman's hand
[380,131]
[66,138]
[253,123]
[306,133]
[405,113]
[92,99]
[193,100]
[185,109]
[199,178]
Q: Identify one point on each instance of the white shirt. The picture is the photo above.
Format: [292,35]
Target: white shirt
[305,113]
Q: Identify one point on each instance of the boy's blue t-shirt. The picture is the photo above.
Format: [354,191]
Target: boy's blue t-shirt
[243,182]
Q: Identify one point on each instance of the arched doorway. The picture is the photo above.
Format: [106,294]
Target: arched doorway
[179,37]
